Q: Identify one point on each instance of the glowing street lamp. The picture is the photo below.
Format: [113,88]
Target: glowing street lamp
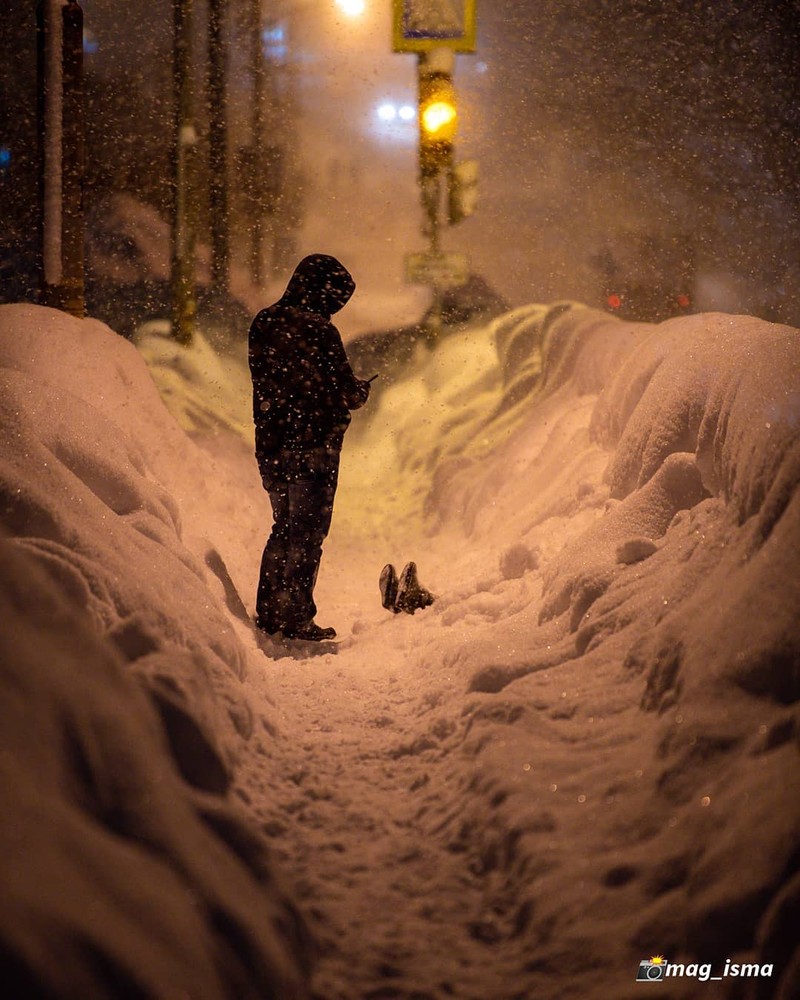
[352,8]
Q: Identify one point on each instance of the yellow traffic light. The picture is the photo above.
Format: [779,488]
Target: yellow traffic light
[438,122]
[437,117]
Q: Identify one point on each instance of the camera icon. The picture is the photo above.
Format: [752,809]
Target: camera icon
[649,971]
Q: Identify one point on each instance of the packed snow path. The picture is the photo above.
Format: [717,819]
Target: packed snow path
[365,763]
[412,885]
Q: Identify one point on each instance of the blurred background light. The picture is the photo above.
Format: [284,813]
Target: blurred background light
[352,8]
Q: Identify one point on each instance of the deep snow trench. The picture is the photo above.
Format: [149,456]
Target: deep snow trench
[583,755]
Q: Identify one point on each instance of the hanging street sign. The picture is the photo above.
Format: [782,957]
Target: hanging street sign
[442,270]
[421,25]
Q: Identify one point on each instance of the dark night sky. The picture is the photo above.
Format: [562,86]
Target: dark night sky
[678,116]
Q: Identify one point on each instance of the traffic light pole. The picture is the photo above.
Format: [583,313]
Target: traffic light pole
[436,32]
[437,129]
[431,191]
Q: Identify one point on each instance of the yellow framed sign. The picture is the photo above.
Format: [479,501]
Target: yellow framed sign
[421,25]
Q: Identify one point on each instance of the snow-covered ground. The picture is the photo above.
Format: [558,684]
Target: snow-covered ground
[584,754]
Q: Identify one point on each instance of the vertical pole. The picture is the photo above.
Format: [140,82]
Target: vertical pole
[74,164]
[218,147]
[61,161]
[431,201]
[257,126]
[184,140]
[435,317]
[438,62]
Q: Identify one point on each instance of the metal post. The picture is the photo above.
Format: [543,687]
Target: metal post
[257,128]
[184,143]
[61,161]
[431,188]
[433,64]
[218,147]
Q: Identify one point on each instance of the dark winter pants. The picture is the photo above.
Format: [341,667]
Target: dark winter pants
[301,487]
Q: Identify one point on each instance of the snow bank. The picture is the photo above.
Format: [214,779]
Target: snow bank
[118,878]
[620,600]
[124,704]
[206,392]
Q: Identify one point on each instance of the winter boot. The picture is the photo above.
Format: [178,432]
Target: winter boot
[410,594]
[309,632]
[388,585]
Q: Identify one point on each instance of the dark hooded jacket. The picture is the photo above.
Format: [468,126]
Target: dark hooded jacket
[303,385]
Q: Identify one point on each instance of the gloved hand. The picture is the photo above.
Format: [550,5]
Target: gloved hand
[361,395]
[357,394]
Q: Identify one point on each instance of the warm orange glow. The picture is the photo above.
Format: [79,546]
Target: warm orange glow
[353,8]
[438,115]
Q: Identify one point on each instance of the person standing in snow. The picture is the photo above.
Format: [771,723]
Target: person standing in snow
[303,391]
